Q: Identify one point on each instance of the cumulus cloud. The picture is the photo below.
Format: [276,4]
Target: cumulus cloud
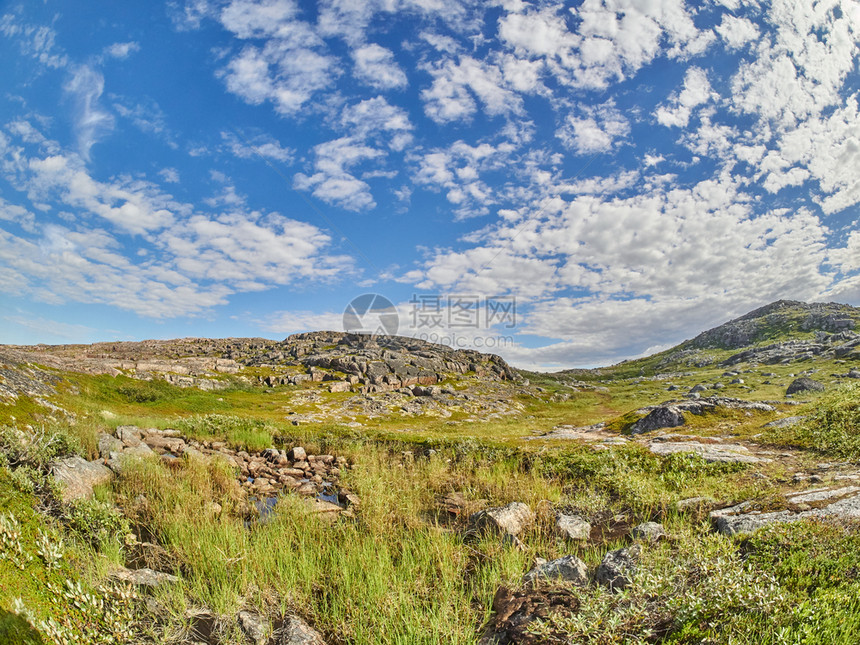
[697,90]
[736,32]
[332,180]
[376,66]
[594,129]
[450,97]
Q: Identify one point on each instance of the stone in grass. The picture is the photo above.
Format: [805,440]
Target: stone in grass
[694,504]
[648,532]
[804,384]
[295,631]
[511,519]
[78,477]
[567,569]
[572,527]
[663,417]
[255,626]
[143,577]
[618,567]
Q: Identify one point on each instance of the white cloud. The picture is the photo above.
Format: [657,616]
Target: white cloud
[169,175]
[39,42]
[333,182]
[449,98]
[92,122]
[598,129]
[697,90]
[376,116]
[122,50]
[289,68]
[737,31]
[376,66]
[260,145]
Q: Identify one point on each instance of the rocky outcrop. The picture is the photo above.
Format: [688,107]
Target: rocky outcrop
[725,452]
[663,417]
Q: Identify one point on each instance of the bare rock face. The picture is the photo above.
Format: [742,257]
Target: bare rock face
[511,519]
[78,477]
[567,569]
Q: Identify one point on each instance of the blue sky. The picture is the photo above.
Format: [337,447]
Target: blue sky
[628,172]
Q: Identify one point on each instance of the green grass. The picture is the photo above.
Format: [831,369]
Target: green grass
[832,426]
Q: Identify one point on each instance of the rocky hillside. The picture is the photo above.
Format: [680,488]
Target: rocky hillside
[353,361]
[777,321]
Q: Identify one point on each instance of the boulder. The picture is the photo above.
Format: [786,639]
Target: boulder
[618,567]
[297,454]
[662,417]
[804,384]
[511,519]
[567,569]
[108,444]
[572,527]
[78,476]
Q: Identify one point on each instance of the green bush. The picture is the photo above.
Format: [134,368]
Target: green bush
[97,523]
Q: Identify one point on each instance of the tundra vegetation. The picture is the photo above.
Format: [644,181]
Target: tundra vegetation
[681,498]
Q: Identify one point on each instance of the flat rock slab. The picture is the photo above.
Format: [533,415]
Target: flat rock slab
[728,452]
[78,477]
[733,520]
[143,577]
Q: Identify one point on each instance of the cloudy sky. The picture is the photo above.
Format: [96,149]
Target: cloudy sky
[625,173]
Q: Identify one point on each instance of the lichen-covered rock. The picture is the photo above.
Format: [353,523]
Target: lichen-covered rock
[143,577]
[254,625]
[648,532]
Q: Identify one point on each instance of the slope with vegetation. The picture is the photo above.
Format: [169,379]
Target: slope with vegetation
[331,489]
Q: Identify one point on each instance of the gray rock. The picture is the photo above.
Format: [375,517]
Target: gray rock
[572,527]
[108,444]
[699,387]
[727,452]
[694,503]
[784,422]
[853,373]
[648,532]
[511,519]
[78,476]
[298,454]
[567,569]
[661,417]
[804,384]
[130,435]
[255,626]
[735,519]
[618,567]
[143,577]
[295,631]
